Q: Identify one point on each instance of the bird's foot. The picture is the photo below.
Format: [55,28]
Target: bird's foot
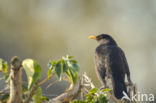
[103,87]
[130,85]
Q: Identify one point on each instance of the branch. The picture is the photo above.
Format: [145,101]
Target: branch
[88,80]
[68,95]
[32,92]
[3,91]
[88,83]
[35,87]
[15,81]
[46,79]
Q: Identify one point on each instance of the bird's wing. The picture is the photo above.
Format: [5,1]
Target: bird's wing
[118,59]
[124,60]
[111,57]
[119,67]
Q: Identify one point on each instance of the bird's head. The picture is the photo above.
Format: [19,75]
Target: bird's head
[104,39]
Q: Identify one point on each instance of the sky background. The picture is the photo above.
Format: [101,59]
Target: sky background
[49,29]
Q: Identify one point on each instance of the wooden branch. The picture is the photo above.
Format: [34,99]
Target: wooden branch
[3,91]
[15,81]
[68,95]
[32,92]
[46,79]
[34,88]
[88,80]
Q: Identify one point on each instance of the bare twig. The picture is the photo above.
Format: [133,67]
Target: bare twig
[88,80]
[43,81]
[3,91]
[46,79]
[54,82]
[35,87]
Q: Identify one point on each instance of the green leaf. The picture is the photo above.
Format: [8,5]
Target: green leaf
[37,96]
[106,90]
[4,69]
[24,88]
[73,76]
[89,98]
[59,69]
[69,76]
[75,67]
[49,73]
[72,64]
[53,63]
[69,57]
[68,66]
[51,66]
[33,71]
[65,67]
[5,98]
[3,66]
[94,90]
[73,61]
[37,74]
[102,99]
[44,98]
[78,101]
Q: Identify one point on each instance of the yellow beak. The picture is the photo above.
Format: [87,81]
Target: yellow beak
[92,37]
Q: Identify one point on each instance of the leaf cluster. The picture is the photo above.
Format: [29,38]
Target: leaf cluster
[66,65]
[95,96]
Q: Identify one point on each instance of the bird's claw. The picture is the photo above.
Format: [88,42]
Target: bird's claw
[104,87]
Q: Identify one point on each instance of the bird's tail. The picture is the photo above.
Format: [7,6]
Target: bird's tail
[119,86]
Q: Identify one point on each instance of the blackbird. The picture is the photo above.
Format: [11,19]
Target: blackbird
[110,62]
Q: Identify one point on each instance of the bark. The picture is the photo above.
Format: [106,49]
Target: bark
[68,95]
[15,81]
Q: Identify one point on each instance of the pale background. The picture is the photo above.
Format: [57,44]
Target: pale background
[48,29]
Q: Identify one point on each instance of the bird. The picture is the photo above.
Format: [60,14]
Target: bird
[110,62]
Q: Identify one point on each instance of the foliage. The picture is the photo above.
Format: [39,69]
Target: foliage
[3,66]
[66,65]
[38,95]
[33,71]
[4,70]
[95,96]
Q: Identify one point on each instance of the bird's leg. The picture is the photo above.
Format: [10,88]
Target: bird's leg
[129,80]
[130,84]
[108,74]
[105,82]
